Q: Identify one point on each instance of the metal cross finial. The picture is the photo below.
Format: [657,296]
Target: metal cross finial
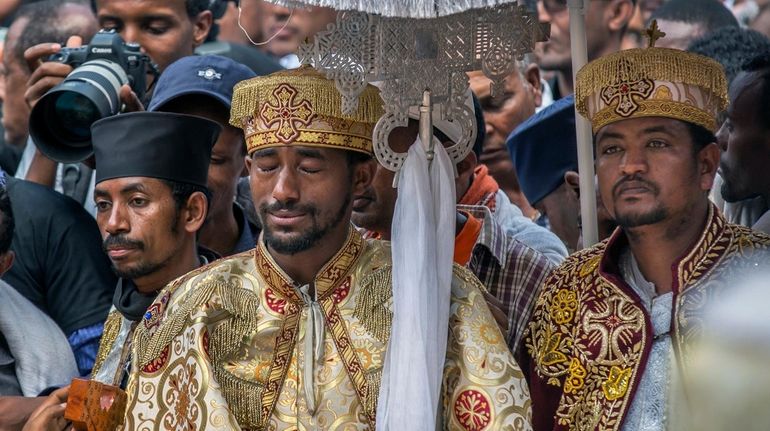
[653,33]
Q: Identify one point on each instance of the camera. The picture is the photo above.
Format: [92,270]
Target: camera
[60,123]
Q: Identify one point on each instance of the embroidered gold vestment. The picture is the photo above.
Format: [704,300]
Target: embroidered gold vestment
[589,338]
[223,348]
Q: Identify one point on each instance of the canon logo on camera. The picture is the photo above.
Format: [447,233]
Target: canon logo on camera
[97,50]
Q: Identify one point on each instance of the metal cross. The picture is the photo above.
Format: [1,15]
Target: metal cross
[288,113]
[653,34]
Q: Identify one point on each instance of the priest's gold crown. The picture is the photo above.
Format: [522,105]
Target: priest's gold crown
[302,107]
[651,82]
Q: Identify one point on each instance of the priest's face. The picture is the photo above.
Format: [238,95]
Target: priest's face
[303,196]
[140,226]
[650,170]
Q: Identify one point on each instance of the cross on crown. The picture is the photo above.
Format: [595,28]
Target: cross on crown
[289,113]
[653,33]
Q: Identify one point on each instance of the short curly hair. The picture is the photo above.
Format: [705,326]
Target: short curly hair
[732,47]
[194,7]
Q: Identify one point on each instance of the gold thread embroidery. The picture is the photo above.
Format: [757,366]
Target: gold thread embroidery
[590,266]
[576,379]
[626,90]
[663,93]
[564,305]
[248,95]
[284,345]
[657,108]
[348,355]
[372,306]
[549,354]
[617,383]
[109,335]
[655,64]
[226,340]
[287,112]
[313,138]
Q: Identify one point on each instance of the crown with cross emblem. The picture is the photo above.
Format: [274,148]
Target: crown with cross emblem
[302,107]
[651,82]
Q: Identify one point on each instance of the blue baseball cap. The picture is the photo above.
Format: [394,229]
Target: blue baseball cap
[210,75]
[544,148]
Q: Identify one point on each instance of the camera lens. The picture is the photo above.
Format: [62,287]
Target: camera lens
[60,122]
[76,113]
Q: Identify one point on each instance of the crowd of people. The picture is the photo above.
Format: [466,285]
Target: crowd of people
[222,256]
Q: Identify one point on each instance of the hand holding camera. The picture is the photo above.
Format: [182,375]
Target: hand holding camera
[46,74]
[80,85]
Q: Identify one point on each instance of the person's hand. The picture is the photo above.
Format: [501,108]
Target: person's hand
[46,74]
[497,307]
[50,415]
[131,102]
[15,411]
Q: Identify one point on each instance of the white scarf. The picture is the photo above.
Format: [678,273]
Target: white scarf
[423,247]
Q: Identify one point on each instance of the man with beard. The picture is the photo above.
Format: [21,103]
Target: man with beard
[611,332]
[294,332]
[149,210]
[745,138]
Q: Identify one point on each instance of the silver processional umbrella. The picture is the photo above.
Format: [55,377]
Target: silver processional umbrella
[419,50]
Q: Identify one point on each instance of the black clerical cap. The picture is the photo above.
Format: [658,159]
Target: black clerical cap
[159,145]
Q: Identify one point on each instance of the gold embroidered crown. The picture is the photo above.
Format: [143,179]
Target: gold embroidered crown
[651,82]
[302,107]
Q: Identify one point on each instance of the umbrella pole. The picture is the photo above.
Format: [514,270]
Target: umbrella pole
[426,124]
[577,30]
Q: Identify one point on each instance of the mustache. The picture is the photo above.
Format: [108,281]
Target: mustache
[286,206]
[121,241]
[636,178]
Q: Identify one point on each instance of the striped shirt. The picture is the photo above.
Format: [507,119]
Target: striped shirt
[510,270]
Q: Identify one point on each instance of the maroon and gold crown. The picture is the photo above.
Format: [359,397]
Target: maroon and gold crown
[302,107]
[651,82]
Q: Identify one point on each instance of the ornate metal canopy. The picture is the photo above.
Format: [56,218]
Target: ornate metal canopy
[409,56]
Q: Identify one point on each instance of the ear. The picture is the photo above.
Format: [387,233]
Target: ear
[708,162]
[363,174]
[194,213]
[532,75]
[572,179]
[201,27]
[247,164]
[619,14]
[6,261]
[246,167]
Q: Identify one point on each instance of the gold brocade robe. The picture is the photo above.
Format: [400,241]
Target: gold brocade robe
[224,348]
[590,336]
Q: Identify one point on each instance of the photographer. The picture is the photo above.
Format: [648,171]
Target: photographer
[55,231]
[165,29]
[35,23]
